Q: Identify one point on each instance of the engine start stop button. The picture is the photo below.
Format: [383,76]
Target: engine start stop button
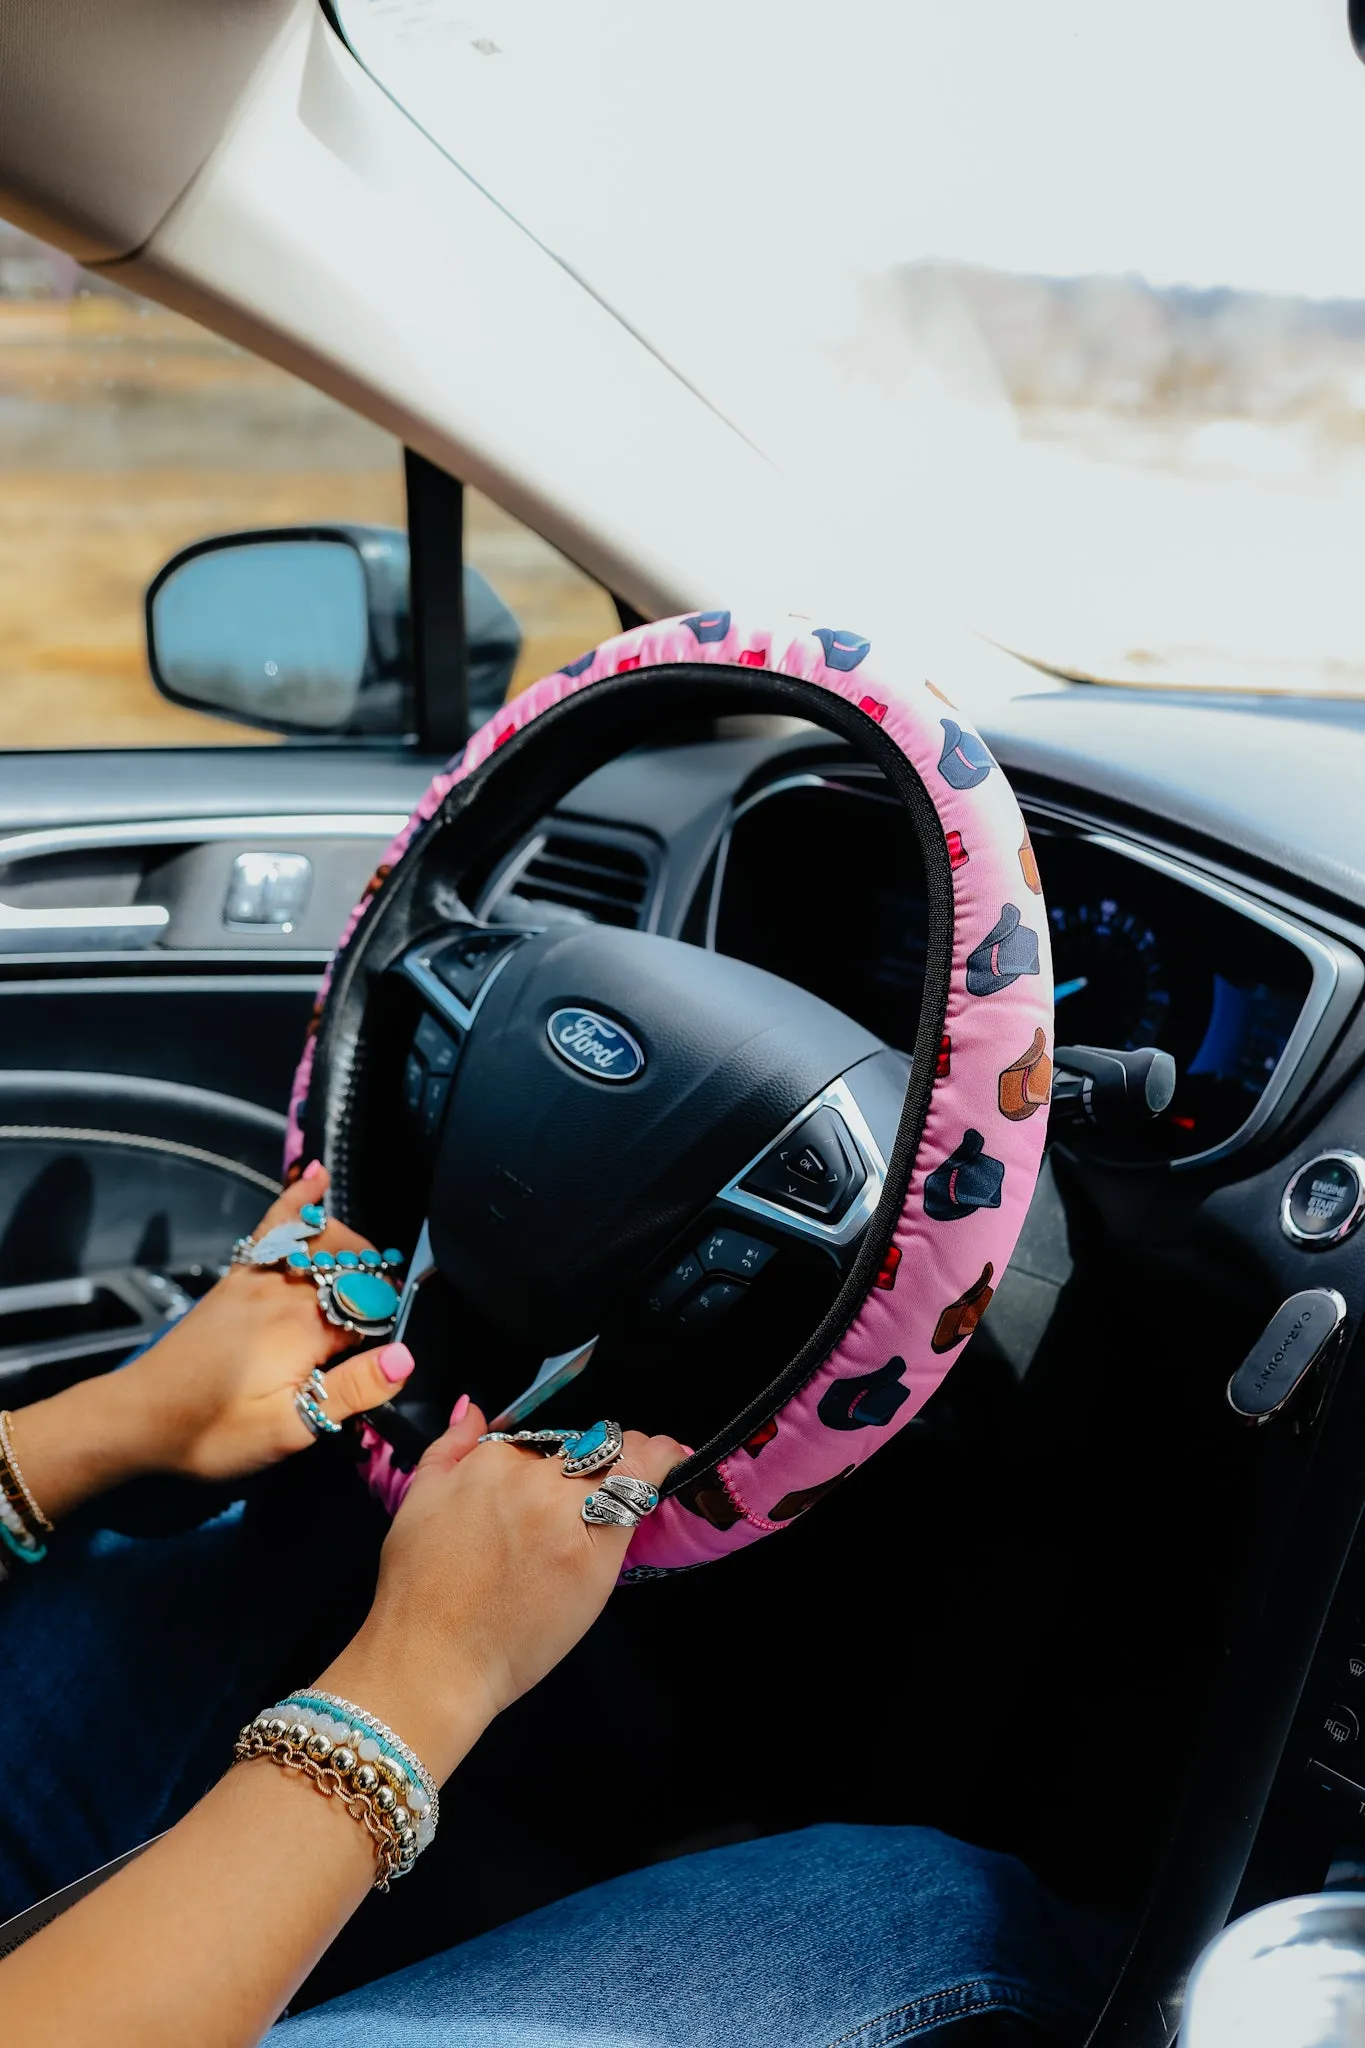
[1324,1199]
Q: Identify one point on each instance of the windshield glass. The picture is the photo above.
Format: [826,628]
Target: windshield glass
[1059,309]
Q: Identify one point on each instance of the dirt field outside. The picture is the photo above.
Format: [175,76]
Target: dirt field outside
[125,432]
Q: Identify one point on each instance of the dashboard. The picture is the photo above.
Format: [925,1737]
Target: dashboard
[817,880]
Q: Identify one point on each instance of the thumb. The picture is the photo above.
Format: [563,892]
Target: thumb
[366,1381]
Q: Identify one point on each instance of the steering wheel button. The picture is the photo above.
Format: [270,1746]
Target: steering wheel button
[414,1081]
[735,1253]
[807,1165]
[433,1103]
[713,1300]
[813,1170]
[436,1046]
[466,963]
[1324,1199]
[676,1282]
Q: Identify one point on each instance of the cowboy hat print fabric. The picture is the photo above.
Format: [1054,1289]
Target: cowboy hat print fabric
[982,1140]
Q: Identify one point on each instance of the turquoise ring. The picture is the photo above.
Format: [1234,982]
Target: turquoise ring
[594,1450]
[354,1289]
[313,1416]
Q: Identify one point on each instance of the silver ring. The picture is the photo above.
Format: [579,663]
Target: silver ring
[560,1440]
[313,1416]
[636,1494]
[606,1510]
[594,1450]
[281,1239]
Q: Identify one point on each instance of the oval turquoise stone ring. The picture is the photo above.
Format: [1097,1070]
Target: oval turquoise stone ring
[365,1297]
[595,1449]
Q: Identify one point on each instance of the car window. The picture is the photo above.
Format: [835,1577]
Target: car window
[561,612]
[127,432]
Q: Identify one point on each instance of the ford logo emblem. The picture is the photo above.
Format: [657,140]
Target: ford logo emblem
[588,1042]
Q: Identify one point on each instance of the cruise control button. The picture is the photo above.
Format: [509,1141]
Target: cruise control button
[466,963]
[436,1046]
[1324,1199]
[713,1300]
[674,1284]
[734,1252]
[414,1081]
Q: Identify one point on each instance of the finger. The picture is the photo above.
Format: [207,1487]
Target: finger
[311,1186]
[366,1381]
[467,1425]
[650,1458]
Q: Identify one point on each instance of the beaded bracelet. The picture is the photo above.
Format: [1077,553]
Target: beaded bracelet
[373,1740]
[19,1544]
[337,1773]
[380,1781]
[22,1522]
[15,1489]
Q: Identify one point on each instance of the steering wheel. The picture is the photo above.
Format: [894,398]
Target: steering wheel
[624,1148]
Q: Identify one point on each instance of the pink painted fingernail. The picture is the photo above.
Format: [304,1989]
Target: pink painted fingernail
[313,1167]
[396,1361]
[460,1410]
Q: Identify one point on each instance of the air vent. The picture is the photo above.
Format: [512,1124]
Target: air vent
[608,880]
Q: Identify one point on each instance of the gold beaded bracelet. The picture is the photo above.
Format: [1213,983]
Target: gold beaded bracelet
[333,1771]
[14,1486]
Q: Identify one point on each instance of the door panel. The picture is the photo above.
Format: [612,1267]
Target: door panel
[143,1085]
[240,1038]
[119,1204]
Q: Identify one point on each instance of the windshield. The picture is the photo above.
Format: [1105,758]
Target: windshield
[1060,309]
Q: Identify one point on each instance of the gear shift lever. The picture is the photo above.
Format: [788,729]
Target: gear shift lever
[1291,1975]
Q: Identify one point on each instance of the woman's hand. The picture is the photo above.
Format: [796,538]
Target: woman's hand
[214,1398]
[488,1577]
[218,1389]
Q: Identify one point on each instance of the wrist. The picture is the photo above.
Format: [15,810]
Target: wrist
[82,1442]
[439,1713]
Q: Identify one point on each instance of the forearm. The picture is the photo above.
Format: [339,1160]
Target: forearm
[207,1935]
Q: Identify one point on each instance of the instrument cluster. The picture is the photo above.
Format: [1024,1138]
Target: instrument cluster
[818,880]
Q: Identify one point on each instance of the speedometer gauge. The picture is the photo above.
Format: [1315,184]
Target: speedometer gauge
[1112,987]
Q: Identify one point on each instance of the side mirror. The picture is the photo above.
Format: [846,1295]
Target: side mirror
[307,631]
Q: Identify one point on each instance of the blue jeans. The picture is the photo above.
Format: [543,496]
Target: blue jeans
[856,1936]
[128,1663]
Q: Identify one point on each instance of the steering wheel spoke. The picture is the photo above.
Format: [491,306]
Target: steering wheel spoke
[558,1207]
[813,1189]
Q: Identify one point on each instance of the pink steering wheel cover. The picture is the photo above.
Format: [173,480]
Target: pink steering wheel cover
[942,1263]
